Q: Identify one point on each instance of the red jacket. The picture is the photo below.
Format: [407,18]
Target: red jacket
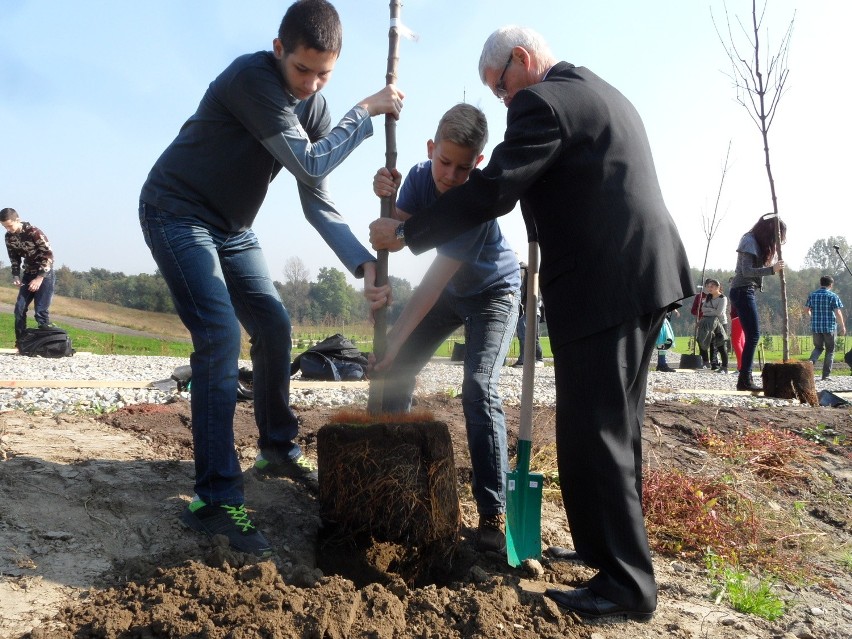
[696,305]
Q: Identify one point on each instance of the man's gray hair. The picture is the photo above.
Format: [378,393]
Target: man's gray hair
[498,47]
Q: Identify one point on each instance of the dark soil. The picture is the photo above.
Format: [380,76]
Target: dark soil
[163,581]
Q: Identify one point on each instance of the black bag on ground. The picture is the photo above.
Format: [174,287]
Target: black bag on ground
[245,381]
[45,342]
[334,359]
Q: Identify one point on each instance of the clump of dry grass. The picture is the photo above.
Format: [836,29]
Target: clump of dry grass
[769,453]
[733,513]
[687,515]
[543,461]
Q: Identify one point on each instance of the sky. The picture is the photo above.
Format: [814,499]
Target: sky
[91,92]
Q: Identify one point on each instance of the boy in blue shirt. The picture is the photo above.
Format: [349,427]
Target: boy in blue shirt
[473,282]
[824,308]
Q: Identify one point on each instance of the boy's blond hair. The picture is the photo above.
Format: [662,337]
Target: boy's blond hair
[464,125]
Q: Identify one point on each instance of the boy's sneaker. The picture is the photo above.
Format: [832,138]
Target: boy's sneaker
[490,536]
[231,521]
[539,363]
[301,469]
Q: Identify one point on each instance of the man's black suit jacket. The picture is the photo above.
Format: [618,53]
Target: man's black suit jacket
[576,156]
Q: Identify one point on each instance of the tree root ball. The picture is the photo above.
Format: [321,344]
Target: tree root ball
[390,480]
[790,380]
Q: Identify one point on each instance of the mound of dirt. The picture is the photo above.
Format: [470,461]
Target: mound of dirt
[90,543]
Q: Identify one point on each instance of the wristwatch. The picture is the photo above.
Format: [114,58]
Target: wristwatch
[400,233]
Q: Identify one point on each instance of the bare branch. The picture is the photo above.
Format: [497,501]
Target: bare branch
[710,227]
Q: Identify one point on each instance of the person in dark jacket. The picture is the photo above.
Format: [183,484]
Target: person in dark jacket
[576,157]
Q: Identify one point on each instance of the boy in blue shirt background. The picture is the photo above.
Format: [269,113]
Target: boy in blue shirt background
[473,282]
[824,307]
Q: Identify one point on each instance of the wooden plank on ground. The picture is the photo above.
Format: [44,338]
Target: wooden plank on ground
[117,383]
[71,383]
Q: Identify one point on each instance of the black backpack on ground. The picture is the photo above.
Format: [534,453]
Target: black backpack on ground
[335,358]
[245,381]
[45,342]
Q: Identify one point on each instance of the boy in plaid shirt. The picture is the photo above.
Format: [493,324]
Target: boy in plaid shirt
[32,270]
[824,308]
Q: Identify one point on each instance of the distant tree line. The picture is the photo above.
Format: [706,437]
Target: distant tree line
[329,300]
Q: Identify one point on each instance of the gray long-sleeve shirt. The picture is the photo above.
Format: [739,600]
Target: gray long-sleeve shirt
[749,270]
[246,129]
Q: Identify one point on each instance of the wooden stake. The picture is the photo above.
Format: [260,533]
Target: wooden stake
[374,402]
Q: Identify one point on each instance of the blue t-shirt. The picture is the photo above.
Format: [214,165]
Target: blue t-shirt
[489,263]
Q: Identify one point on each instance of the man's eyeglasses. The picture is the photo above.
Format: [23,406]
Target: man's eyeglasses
[500,87]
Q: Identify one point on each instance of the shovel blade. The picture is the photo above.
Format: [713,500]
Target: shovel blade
[523,516]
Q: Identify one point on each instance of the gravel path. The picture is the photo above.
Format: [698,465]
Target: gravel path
[441,376]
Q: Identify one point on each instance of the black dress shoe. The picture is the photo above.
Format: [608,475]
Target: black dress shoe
[560,552]
[586,603]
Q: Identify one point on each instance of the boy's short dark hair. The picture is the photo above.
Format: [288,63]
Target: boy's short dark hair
[826,280]
[464,125]
[313,24]
[8,214]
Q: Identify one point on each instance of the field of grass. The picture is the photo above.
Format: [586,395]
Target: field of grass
[166,325]
[105,343]
[172,339]
[771,350]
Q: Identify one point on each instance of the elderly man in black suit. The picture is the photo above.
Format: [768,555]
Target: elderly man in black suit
[576,156]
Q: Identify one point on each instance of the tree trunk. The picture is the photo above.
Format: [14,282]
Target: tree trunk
[380,329]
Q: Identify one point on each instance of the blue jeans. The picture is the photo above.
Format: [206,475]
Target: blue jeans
[42,298]
[218,281]
[522,333]
[489,324]
[744,301]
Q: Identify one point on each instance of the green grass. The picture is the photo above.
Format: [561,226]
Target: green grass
[104,343]
[116,344]
[742,591]
[846,561]
[775,354]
